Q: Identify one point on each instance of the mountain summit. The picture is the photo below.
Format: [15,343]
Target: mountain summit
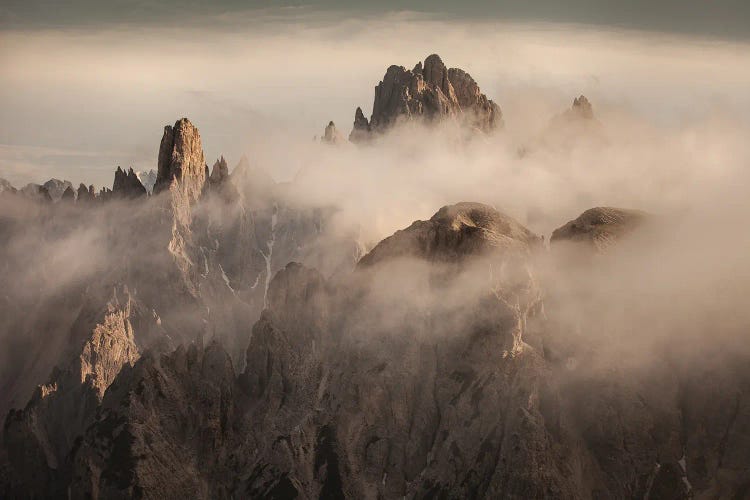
[429,92]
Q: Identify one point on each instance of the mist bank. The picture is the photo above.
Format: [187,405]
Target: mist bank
[79,125]
[437,309]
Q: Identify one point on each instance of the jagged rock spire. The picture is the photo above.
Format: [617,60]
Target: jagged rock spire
[219,172]
[181,159]
[429,91]
[361,130]
[127,185]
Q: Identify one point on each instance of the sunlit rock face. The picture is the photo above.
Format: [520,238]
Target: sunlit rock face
[428,92]
[181,158]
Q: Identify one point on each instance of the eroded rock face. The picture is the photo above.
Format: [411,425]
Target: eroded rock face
[181,158]
[432,92]
[127,185]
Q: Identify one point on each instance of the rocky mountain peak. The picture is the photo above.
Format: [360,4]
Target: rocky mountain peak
[435,73]
[361,130]
[430,91]
[69,194]
[453,233]
[181,159]
[219,172]
[582,107]
[127,185]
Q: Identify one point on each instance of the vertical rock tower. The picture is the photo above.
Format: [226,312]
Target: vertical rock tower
[181,159]
[429,92]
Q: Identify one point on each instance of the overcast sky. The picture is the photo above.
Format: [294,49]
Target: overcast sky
[88,86]
[724,18]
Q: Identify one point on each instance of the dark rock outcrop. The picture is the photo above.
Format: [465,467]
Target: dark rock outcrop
[361,129]
[127,185]
[430,92]
[582,108]
[69,195]
[181,159]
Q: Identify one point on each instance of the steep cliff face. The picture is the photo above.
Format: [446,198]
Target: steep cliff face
[181,158]
[430,92]
[166,428]
[40,437]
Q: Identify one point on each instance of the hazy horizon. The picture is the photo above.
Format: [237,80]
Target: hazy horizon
[255,81]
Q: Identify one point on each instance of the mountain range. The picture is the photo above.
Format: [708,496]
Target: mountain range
[202,333]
